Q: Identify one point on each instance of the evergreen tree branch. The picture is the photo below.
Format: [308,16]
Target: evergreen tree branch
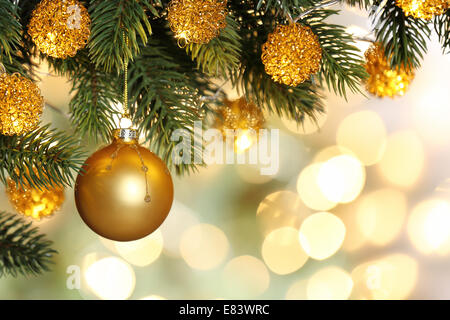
[54,155]
[22,249]
[10,35]
[442,27]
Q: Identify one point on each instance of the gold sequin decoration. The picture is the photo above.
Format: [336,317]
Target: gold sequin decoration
[383,80]
[60,28]
[291,54]
[21,104]
[33,202]
[423,9]
[240,114]
[197,21]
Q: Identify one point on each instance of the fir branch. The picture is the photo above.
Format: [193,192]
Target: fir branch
[342,63]
[54,155]
[22,249]
[442,27]
[10,29]
[404,38]
[220,55]
[362,4]
[162,101]
[110,20]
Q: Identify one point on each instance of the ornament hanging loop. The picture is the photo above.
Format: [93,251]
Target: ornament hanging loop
[126,113]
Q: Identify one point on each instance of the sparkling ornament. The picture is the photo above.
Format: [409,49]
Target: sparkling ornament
[21,104]
[423,9]
[59,28]
[291,54]
[33,202]
[197,21]
[242,116]
[125,192]
[383,80]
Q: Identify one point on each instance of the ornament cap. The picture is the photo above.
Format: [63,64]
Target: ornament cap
[125,134]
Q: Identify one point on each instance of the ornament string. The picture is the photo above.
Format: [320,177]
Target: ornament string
[125,76]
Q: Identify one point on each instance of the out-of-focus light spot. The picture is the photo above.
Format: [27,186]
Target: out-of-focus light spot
[179,219]
[392,277]
[429,227]
[251,173]
[331,152]
[321,235]
[297,291]
[245,277]
[282,252]
[110,278]
[330,283]
[309,124]
[341,178]
[204,247]
[153,297]
[365,134]
[141,252]
[381,214]
[281,209]
[244,141]
[432,114]
[403,160]
[309,190]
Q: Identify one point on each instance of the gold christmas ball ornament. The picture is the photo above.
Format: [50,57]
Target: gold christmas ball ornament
[423,9]
[60,28]
[197,21]
[291,54]
[383,80]
[34,202]
[21,104]
[125,192]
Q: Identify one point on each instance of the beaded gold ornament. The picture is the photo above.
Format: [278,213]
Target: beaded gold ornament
[21,104]
[60,28]
[383,80]
[33,202]
[423,9]
[291,54]
[197,21]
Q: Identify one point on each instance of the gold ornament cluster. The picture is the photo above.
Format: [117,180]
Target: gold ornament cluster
[21,104]
[197,21]
[35,203]
[383,80]
[60,28]
[423,9]
[291,54]
[240,114]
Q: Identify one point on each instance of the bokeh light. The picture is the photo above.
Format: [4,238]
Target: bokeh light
[204,247]
[309,190]
[110,278]
[153,297]
[341,178]
[363,133]
[330,283]
[282,252]
[403,160]
[330,152]
[297,290]
[141,252]
[321,235]
[281,209]
[309,125]
[392,277]
[381,214]
[429,227]
[245,277]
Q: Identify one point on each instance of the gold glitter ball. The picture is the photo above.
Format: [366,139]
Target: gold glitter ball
[291,54]
[197,21]
[423,9]
[383,80]
[240,114]
[33,202]
[60,28]
[21,104]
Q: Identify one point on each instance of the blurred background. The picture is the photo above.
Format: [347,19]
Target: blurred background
[359,209]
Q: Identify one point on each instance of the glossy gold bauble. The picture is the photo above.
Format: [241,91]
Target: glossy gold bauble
[291,54]
[125,192]
[34,202]
[423,9]
[21,104]
[197,21]
[60,28]
[383,80]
